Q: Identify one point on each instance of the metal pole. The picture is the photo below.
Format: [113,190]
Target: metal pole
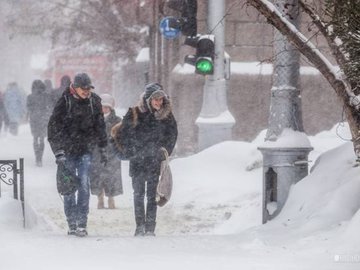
[22,189]
[15,177]
[158,48]
[216,23]
[215,122]
[285,110]
[283,165]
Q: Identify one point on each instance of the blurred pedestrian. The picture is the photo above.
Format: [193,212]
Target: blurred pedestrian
[48,86]
[49,92]
[2,112]
[75,128]
[107,181]
[38,106]
[15,106]
[147,130]
[57,93]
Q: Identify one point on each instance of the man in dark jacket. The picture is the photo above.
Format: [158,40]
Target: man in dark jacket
[147,129]
[37,107]
[75,128]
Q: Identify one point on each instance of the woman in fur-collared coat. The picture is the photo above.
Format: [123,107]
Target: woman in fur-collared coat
[146,129]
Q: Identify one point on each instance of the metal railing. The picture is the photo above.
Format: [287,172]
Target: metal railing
[13,175]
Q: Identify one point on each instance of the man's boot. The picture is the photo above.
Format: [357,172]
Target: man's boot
[150,228]
[140,230]
[101,200]
[111,203]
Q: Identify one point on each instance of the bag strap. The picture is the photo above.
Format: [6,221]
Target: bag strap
[68,104]
[135,116]
[91,105]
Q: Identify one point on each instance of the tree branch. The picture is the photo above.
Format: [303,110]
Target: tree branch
[326,32]
[308,49]
[314,56]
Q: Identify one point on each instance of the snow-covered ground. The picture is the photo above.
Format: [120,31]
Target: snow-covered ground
[213,220]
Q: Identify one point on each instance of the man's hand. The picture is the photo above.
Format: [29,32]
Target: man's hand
[60,157]
[103,157]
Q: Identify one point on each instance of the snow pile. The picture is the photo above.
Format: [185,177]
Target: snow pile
[11,213]
[213,219]
[289,139]
[328,196]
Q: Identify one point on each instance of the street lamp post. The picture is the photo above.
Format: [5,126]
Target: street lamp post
[283,164]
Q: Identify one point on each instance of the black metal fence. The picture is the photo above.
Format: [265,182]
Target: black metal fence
[12,174]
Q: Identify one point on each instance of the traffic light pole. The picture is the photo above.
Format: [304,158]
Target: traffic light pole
[215,122]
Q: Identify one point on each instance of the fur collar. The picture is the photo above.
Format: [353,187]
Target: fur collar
[160,114]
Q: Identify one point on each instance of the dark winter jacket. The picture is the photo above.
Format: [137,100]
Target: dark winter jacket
[38,109]
[77,125]
[108,177]
[144,136]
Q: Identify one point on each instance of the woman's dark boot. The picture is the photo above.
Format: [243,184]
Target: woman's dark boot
[140,230]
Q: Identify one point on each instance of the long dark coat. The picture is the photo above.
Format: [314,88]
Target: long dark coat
[145,135]
[38,109]
[107,178]
[77,130]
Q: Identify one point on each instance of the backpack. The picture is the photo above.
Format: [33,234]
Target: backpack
[118,147]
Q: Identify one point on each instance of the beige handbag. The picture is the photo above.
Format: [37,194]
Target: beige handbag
[164,188]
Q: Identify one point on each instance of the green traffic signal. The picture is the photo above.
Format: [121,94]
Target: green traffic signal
[204,66]
[203,60]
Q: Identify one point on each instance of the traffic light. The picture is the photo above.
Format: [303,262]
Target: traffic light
[187,22]
[203,60]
